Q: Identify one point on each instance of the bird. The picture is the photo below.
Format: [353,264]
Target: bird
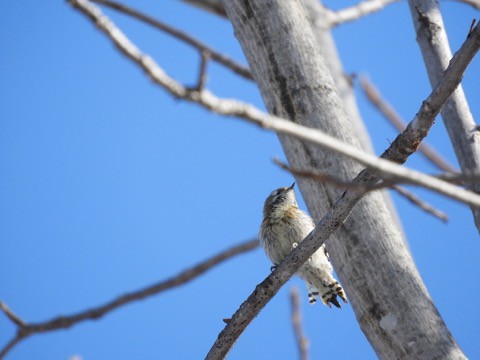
[283,227]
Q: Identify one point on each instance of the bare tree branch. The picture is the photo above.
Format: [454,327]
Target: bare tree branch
[63,322]
[389,112]
[326,178]
[459,178]
[462,130]
[202,72]
[13,318]
[180,35]
[302,341]
[11,344]
[414,199]
[403,146]
[357,11]
[416,133]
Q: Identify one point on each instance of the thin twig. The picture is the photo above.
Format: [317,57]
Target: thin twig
[454,178]
[202,72]
[356,12]
[62,322]
[188,39]
[10,345]
[472,25]
[252,114]
[13,318]
[459,178]
[390,114]
[414,199]
[326,178]
[302,340]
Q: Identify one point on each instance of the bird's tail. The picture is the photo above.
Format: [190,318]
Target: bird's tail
[327,290]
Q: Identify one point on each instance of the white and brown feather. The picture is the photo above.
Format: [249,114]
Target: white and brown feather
[284,226]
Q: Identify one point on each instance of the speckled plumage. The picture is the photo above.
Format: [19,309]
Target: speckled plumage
[283,227]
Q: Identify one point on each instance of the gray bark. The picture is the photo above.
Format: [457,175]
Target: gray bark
[321,28]
[398,317]
[318,19]
[456,115]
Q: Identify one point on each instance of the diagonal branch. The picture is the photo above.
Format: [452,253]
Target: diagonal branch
[63,322]
[389,112]
[415,200]
[180,35]
[13,318]
[403,146]
[326,178]
[234,108]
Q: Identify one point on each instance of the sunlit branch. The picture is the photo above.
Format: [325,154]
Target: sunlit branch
[235,108]
[357,11]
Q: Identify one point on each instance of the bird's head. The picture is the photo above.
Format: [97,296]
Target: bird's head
[280,200]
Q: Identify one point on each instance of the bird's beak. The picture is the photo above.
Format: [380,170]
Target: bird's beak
[291,187]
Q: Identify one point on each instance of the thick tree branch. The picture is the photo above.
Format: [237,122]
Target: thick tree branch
[63,322]
[462,130]
[180,35]
[228,107]
[390,114]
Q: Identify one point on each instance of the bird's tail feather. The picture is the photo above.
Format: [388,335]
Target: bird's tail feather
[327,291]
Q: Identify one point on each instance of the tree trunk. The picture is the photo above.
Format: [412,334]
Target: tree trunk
[398,317]
[322,31]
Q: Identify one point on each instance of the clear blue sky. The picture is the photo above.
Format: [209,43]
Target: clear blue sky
[107,184]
